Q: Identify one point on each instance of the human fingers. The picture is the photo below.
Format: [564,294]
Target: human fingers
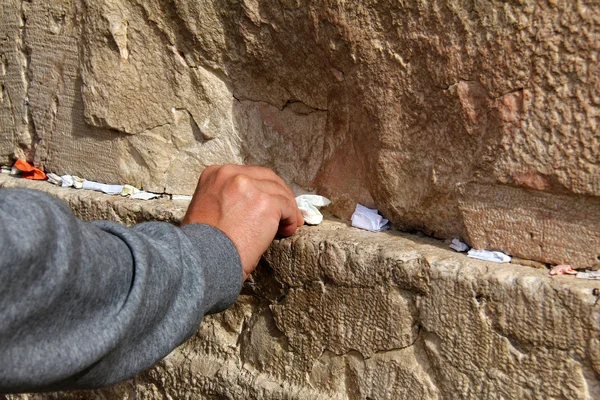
[251,171]
[220,176]
[284,204]
[264,173]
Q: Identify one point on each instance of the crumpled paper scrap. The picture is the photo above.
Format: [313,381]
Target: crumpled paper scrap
[71,181]
[486,255]
[28,171]
[54,179]
[137,194]
[129,190]
[458,245]
[563,269]
[369,219]
[308,205]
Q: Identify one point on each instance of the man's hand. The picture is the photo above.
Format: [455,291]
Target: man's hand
[248,204]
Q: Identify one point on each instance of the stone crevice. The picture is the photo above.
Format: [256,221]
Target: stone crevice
[25,53]
[288,104]
[312,109]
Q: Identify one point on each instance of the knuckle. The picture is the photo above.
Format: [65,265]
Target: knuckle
[226,169]
[208,171]
[242,183]
[223,172]
[264,199]
[263,203]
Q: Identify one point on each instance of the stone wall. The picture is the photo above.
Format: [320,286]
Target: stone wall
[339,313]
[455,118]
[474,119]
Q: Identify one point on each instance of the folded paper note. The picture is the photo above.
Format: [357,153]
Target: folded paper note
[54,179]
[141,195]
[458,246]
[308,205]
[102,187]
[71,181]
[129,190]
[369,219]
[563,269]
[66,181]
[486,255]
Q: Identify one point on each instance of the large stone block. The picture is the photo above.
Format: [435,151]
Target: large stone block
[15,135]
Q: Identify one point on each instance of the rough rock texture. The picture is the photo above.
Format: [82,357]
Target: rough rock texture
[339,313]
[15,139]
[392,104]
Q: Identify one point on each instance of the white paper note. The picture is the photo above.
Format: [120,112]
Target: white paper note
[181,197]
[102,187]
[493,256]
[54,179]
[129,190]
[458,246]
[369,219]
[67,181]
[144,195]
[308,203]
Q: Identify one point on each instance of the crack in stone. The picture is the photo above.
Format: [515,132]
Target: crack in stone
[21,44]
[6,95]
[313,109]
[288,104]
[517,90]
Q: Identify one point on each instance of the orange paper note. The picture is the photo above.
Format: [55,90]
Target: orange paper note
[28,171]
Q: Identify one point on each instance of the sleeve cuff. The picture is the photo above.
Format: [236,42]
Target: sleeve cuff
[223,267]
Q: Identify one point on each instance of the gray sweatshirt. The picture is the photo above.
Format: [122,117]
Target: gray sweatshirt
[85,305]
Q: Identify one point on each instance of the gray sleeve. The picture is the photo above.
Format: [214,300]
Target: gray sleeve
[85,305]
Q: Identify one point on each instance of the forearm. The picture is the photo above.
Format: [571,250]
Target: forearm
[91,304]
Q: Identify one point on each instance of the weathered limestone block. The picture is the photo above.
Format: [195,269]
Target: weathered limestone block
[290,140]
[509,328]
[536,225]
[63,142]
[338,313]
[15,138]
[340,319]
[141,81]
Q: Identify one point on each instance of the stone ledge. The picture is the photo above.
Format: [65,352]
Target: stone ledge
[89,205]
[336,312]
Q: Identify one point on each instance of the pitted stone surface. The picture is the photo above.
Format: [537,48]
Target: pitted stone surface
[536,225]
[393,105]
[338,313]
[15,138]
